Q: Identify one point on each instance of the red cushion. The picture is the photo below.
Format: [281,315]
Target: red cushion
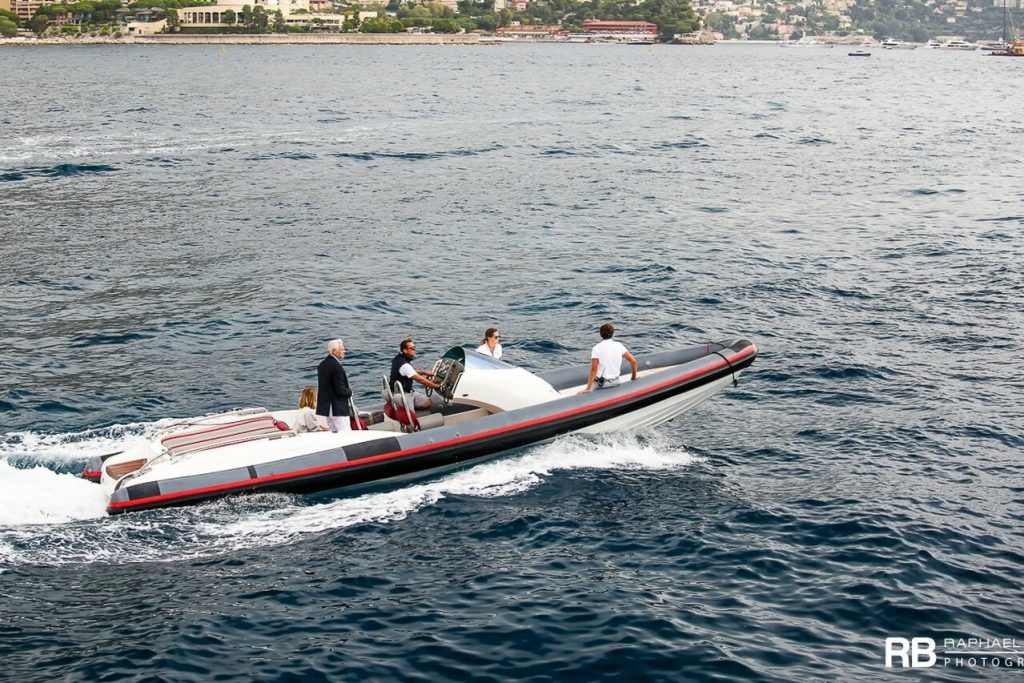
[401,415]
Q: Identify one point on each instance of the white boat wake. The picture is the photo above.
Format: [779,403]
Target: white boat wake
[52,518]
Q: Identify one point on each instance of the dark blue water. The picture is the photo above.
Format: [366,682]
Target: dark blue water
[184,228]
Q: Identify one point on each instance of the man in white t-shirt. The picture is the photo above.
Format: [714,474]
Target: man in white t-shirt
[606,361]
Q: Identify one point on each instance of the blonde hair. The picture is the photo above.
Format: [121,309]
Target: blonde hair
[308,398]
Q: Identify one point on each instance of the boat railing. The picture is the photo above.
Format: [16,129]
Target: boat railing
[206,419]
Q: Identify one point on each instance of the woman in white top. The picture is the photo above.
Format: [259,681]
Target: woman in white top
[305,419]
[489,345]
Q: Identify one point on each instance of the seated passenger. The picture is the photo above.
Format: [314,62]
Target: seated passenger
[490,345]
[403,373]
[305,419]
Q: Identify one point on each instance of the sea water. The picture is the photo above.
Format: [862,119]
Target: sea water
[184,228]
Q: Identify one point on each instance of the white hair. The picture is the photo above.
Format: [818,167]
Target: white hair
[335,344]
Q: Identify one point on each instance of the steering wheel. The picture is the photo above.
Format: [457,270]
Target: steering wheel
[439,375]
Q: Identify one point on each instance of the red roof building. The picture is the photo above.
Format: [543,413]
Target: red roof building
[533,31]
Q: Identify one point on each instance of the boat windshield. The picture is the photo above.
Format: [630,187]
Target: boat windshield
[471,360]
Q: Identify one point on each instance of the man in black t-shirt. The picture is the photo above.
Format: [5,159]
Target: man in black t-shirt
[405,374]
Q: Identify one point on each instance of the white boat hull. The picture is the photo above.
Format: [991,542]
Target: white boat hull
[660,412]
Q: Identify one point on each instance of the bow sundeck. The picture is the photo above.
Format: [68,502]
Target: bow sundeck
[487,407]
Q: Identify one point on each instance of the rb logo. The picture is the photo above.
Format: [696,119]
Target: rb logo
[917,653]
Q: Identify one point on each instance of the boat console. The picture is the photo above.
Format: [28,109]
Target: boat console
[447,371]
[474,379]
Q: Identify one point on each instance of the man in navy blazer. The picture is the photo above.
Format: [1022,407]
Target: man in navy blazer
[333,391]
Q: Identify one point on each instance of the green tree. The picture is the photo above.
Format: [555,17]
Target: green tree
[719,21]
[445,26]
[260,19]
[436,9]
[763,32]
[229,17]
[8,29]
[39,23]
[488,22]
[418,12]
[279,25]
[377,25]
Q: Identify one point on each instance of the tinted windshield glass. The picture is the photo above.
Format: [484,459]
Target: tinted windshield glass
[478,361]
[455,353]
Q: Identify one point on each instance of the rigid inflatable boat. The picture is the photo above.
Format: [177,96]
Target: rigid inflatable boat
[487,407]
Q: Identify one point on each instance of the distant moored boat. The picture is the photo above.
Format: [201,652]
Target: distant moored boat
[959,45]
[895,44]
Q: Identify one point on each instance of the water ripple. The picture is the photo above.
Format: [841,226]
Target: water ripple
[176,255]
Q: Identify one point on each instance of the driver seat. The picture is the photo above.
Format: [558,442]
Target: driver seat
[398,406]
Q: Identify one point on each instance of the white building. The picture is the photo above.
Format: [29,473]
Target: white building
[213,16]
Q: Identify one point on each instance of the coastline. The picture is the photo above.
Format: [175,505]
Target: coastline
[329,39]
[262,39]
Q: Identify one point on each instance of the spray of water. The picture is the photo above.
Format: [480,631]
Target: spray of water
[55,518]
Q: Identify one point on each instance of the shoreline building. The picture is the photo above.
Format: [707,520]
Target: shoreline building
[619,30]
[25,9]
[294,13]
[533,32]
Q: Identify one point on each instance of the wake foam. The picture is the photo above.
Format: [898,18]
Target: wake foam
[42,496]
[39,482]
[239,523]
[73,448]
